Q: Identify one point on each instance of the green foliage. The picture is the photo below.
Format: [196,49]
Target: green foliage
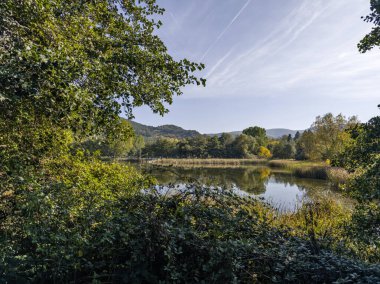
[364,231]
[69,65]
[162,147]
[326,139]
[258,133]
[285,149]
[362,158]
[372,39]
[68,69]
[203,146]
[244,146]
[366,182]
[49,217]
[56,234]
[111,146]
[364,147]
[170,131]
[138,145]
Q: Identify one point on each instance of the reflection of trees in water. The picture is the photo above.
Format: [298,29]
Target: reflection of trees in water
[249,179]
[311,186]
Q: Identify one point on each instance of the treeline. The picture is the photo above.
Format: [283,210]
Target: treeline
[68,217]
[225,146]
[324,140]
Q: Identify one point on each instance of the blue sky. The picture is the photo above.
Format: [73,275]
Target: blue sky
[272,63]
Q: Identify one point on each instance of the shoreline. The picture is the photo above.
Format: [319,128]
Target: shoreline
[303,169]
[233,161]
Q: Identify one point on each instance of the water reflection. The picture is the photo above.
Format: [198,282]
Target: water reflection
[280,188]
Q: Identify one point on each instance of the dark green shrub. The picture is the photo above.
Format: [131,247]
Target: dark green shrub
[214,236]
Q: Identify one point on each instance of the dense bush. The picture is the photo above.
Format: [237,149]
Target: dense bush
[73,228]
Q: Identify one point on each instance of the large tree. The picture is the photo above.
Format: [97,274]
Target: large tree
[326,138]
[77,65]
[373,38]
[258,133]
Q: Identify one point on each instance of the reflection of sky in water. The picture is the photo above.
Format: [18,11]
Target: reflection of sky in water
[281,190]
[283,196]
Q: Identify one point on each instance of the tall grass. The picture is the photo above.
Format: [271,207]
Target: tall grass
[200,162]
[292,164]
[301,169]
[337,176]
[323,219]
[312,172]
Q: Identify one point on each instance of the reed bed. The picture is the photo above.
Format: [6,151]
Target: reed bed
[301,169]
[200,162]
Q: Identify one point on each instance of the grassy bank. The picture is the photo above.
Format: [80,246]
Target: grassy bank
[202,162]
[302,169]
[288,164]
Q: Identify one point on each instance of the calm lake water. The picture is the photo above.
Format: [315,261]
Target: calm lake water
[279,188]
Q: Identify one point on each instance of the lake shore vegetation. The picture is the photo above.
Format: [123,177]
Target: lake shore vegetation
[68,69]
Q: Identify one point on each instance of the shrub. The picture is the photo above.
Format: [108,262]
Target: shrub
[264,152]
[149,237]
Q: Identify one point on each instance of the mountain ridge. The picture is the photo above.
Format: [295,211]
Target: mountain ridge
[174,131]
[168,130]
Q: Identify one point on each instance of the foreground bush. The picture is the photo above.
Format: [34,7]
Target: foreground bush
[65,230]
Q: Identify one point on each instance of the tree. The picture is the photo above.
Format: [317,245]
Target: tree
[297,136]
[326,138]
[364,146]
[258,133]
[243,146]
[330,135]
[305,147]
[226,139]
[214,147]
[373,38]
[285,148]
[264,152]
[76,65]
[138,145]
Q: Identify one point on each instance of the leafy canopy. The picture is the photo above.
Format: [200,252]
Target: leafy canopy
[80,63]
[259,133]
[373,38]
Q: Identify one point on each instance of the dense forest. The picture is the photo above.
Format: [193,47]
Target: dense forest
[326,139]
[164,131]
[68,71]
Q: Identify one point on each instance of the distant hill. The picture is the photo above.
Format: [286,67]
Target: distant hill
[279,132]
[164,131]
[178,132]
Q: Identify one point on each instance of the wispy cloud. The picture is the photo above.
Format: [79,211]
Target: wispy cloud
[297,59]
[282,36]
[174,19]
[225,29]
[219,62]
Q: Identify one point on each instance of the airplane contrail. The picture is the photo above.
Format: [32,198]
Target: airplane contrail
[225,29]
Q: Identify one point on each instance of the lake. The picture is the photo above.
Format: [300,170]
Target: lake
[279,188]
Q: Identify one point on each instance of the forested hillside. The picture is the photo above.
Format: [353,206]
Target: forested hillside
[171,131]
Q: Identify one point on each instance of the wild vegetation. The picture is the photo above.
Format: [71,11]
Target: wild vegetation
[324,141]
[68,68]
[170,131]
